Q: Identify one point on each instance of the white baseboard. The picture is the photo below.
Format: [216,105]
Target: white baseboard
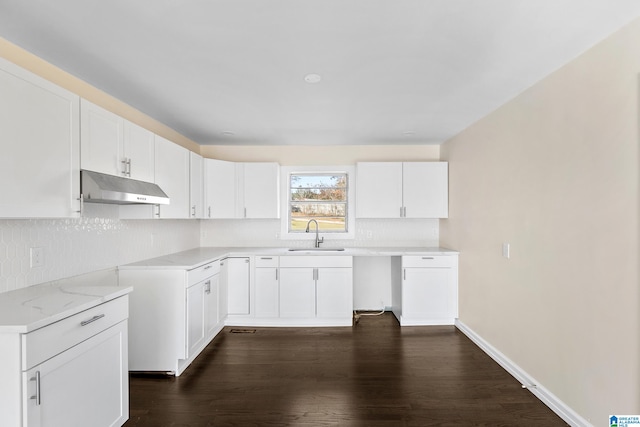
[556,405]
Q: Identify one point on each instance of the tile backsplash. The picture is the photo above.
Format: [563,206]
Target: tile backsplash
[368,233]
[76,246]
[100,240]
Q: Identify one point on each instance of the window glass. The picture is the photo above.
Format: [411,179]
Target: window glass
[319,196]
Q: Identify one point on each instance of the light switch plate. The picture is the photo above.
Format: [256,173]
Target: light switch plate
[506,249]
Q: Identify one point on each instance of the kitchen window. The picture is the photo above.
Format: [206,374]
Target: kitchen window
[323,194]
[321,197]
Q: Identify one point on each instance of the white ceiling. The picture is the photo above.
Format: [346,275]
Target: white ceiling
[393,71]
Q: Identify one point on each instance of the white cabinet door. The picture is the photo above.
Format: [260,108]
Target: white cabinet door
[379,190]
[101,139]
[40,147]
[425,189]
[402,190]
[428,295]
[196,178]
[212,305]
[297,292]
[334,292]
[223,291]
[267,292]
[220,189]
[260,190]
[172,175]
[195,317]
[238,285]
[139,152]
[86,385]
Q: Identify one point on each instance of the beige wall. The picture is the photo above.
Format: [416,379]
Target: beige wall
[44,69]
[288,155]
[555,173]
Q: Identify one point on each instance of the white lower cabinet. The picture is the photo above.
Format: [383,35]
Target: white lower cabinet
[195,318]
[202,313]
[425,291]
[334,294]
[86,385]
[238,285]
[267,290]
[175,313]
[298,292]
[317,287]
[72,372]
[212,305]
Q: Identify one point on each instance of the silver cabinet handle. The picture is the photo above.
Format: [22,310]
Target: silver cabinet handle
[404,211]
[158,213]
[404,274]
[427,257]
[193,210]
[81,200]
[93,319]
[276,274]
[207,267]
[246,260]
[266,257]
[208,283]
[400,211]
[127,167]
[245,212]
[37,395]
[209,211]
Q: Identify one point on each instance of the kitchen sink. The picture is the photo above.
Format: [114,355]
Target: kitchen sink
[316,249]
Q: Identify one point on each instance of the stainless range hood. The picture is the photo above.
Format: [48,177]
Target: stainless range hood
[102,188]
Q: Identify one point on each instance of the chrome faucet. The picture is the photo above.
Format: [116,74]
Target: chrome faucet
[318,239]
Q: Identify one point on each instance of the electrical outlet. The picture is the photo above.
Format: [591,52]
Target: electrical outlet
[36,256]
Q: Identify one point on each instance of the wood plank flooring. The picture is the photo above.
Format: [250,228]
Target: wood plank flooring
[374,374]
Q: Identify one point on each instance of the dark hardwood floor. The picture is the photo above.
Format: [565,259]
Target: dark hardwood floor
[374,374]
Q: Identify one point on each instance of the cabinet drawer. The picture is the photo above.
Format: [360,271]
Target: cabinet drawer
[426,261]
[204,271]
[46,342]
[316,261]
[266,261]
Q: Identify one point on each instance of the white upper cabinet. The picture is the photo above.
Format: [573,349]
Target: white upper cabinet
[379,190]
[139,153]
[101,139]
[402,190]
[259,185]
[113,145]
[172,175]
[39,146]
[241,190]
[425,189]
[219,189]
[196,193]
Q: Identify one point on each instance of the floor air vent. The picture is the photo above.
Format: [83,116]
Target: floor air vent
[243,331]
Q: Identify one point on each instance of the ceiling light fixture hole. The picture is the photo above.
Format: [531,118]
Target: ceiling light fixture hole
[312,78]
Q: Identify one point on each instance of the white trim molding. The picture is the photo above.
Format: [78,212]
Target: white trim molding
[553,402]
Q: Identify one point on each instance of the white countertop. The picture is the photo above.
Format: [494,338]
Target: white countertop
[199,256]
[31,308]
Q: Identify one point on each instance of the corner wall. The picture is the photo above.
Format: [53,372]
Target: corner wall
[555,173]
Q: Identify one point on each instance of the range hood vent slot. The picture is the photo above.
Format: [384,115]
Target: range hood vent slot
[103,188]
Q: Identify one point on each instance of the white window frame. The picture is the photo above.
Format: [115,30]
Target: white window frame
[285,191]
